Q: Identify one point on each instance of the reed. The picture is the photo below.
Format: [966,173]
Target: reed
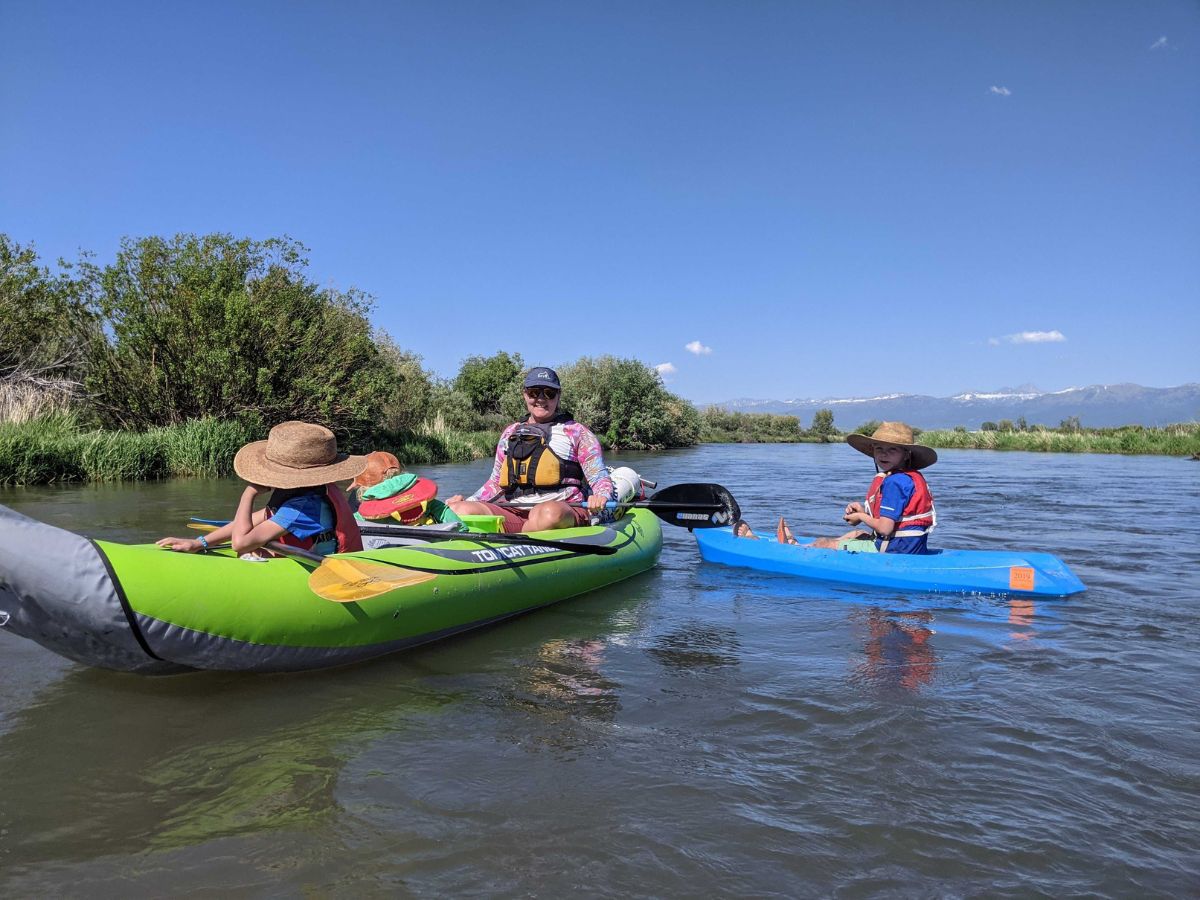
[22,401]
[57,447]
[438,444]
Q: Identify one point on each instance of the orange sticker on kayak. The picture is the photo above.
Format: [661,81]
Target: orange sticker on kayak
[1020,578]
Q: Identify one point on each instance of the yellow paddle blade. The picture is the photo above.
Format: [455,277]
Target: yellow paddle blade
[350,580]
[347,580]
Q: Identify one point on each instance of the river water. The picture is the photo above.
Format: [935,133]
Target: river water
[698,730]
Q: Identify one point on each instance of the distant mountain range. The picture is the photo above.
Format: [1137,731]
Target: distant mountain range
[1097,406]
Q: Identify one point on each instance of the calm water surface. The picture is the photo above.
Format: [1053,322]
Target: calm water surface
[698,730]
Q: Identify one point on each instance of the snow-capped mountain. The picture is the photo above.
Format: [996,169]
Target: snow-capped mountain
[1098,406]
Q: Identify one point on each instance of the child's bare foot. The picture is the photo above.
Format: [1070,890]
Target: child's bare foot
[783,533]
[742,530]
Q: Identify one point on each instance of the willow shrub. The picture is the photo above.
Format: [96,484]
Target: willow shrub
[625,404]
[210,326]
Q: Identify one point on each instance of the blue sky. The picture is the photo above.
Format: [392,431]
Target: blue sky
[818,199]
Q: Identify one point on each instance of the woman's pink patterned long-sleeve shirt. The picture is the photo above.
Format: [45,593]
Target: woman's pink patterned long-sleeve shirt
[569,440]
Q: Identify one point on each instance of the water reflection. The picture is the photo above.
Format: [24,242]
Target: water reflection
[1020,616]
[570,700]
[103,764]
[131,772]
[898,651]
[567,677]
[697,648]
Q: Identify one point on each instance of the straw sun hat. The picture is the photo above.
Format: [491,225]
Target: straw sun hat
[894,434]
[296,454]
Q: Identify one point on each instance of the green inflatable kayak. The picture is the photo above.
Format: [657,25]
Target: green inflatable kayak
[139,608]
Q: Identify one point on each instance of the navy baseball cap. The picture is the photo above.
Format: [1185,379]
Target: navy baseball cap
[542,377]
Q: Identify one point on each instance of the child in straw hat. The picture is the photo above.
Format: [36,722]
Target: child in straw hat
[299,464]
[898,508]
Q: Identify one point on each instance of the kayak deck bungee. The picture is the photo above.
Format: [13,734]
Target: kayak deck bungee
[140,608]
[985,571]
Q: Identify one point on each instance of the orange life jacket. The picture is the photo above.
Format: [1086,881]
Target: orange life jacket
[918,516]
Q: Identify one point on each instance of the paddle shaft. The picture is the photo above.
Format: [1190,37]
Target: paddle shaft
[487,538]
[613,504]
[427,534]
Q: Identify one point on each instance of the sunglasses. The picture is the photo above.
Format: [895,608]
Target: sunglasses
[541,393]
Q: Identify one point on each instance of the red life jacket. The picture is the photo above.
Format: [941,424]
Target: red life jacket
[345,527]
[918,516]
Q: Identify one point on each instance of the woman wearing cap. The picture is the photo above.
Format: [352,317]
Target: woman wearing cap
[898,508]
[299,464]
[544,463]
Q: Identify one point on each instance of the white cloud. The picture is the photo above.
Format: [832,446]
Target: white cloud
[1160,44]
[665,369]
[1000,90]
[698,348]
[1030,337]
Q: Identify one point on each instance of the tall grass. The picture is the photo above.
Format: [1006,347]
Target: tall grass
[1170,440]
[59,448]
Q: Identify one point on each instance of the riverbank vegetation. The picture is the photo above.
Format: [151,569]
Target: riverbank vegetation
[165,360]
[1170,440]
[721,426]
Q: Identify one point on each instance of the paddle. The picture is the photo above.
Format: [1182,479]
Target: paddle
[428,534]
[343,580]
[686,505]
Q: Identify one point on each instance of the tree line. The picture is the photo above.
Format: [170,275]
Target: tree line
[164,359]
[196,327]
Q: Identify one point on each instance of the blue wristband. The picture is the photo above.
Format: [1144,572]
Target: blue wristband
[203,543]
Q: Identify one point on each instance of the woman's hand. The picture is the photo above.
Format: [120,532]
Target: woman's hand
[457,498]
[597,502]
[180,545]
[255,490]
[854,507]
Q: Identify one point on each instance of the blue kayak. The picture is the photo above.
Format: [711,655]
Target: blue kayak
[985,571]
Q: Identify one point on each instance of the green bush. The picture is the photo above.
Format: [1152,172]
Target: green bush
[408,405]
[486,380]
[45,318]
[822,424]
[624,402]
[212,326]
[720,425]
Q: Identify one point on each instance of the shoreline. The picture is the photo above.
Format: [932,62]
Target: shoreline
[58,449]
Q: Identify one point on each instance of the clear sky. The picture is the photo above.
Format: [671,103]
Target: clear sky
[818,199]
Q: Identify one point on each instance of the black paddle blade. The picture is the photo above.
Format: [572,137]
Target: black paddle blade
[694,506]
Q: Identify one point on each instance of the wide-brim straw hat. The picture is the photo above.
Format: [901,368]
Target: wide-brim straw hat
[894,434]
[296,454]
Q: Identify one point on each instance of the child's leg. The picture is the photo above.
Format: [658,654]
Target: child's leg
[835,543]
